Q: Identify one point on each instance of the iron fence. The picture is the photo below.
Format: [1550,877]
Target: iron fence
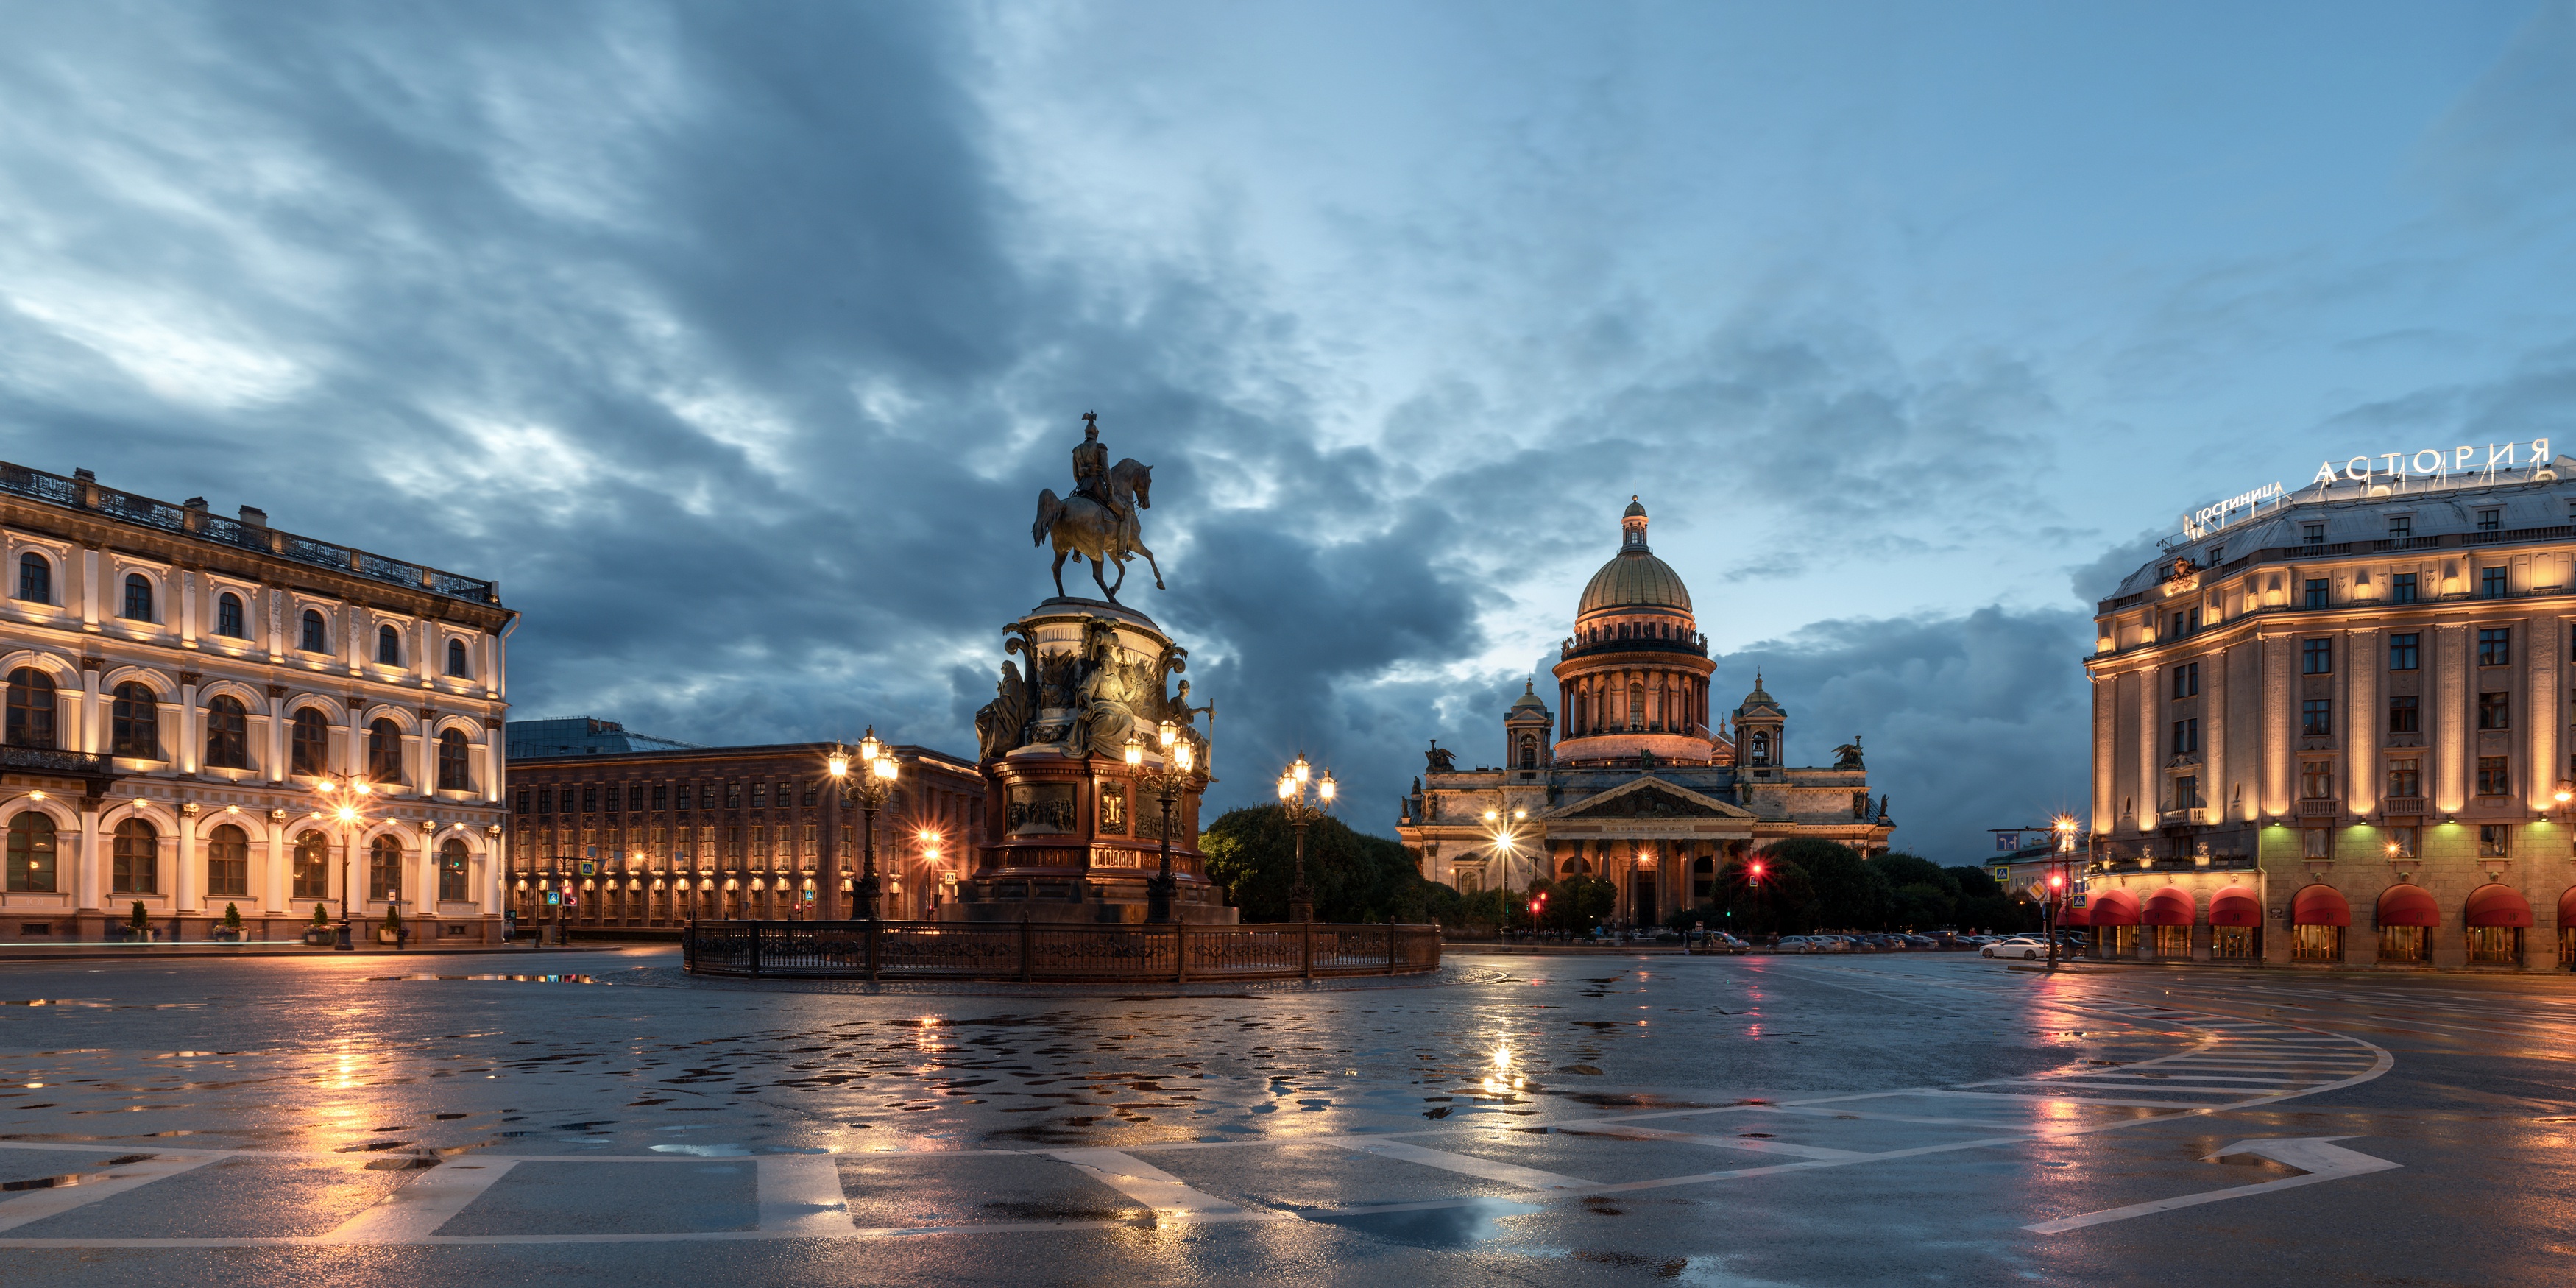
[1042,952]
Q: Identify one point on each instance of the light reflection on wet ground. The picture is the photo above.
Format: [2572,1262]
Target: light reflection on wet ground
[1709,1118]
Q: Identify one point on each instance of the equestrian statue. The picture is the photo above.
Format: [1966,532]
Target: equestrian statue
[1098,522]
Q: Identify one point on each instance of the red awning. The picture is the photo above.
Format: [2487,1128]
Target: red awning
[2171,906]
[2114,908]
[2497,905]
[2567,908]
[2070,916]
[2320,905]
[2408,905]
[2235,906]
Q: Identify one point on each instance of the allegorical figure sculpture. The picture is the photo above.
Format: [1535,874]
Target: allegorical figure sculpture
[1847,756]
[1098,522]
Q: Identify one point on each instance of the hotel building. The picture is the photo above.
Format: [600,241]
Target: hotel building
[2337,730]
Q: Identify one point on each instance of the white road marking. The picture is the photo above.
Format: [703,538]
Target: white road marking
[1168,1195]
[1728,1142]
[415,1211]
[37,1205]
[800,1194]
[1528,1178]
[2310,1154]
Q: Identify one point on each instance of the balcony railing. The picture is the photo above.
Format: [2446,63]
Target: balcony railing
[1694,645]
[2402,806]
[47,760]
[195,521]
[2328,808]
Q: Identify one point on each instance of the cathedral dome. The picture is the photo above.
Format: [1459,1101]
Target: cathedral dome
[1635,578]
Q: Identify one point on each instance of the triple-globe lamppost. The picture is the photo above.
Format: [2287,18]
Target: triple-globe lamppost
[1176,776]
[1294,784]
[864,778]
[1502,832]
[345,798]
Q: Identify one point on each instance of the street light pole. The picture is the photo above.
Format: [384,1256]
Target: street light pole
[1293,786]
[869,787]
[2065,828]
[1505,843]
[1175,776]
[344,799]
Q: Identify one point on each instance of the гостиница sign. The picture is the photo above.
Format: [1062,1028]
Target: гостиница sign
[2384,469]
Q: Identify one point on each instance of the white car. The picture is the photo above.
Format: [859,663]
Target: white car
[2029,950]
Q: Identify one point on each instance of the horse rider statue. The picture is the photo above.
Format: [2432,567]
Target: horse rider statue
[1098,522]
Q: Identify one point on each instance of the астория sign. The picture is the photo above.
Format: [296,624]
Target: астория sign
[2385,470]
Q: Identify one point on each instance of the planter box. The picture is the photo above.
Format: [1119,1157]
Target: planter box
[321,938]
[227,935]
[384,936]
[129,935]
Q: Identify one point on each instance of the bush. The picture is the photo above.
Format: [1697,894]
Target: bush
[232,917]
[318,919]
[137,919]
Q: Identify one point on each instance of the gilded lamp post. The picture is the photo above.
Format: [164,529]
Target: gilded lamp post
[344,802]
[1293,786]
[868,784]
[1177,775]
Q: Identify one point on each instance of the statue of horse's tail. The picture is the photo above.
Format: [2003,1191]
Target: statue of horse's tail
[1049,510]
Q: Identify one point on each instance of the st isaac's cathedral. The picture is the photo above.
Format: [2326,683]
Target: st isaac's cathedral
[1627,779]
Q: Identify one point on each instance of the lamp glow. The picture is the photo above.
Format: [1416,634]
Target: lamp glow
[1167,734]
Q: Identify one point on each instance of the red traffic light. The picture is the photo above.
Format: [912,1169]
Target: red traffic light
[1757,869]
[2055,881]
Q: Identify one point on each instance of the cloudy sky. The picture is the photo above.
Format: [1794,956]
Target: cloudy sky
[738,339]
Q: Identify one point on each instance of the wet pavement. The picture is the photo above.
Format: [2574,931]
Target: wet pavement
[1612,1119]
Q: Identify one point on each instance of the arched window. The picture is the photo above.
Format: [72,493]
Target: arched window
[31,708]
[312,866]
[1761,748]
[227,733]
[134,866]
[453,776]
[451,870]
[228,862]
[384,752]
[31,854]
[138,597]
[1636,706]
[388,646]
[228,616]
[134,722]
[309,745]
[457,664]
[384,869]
[35,578]
[1529,751]
[317,633]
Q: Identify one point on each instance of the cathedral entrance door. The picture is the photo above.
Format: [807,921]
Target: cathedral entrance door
[1642,900]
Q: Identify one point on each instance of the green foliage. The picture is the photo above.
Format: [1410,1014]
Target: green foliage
[1355,877]
[1780,901]
[1850,893]
[1975,883]
[1574,903]
[137,919]
[318,918]
[393,917]
[232,917]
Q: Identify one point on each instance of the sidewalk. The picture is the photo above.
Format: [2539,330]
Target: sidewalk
[122,952]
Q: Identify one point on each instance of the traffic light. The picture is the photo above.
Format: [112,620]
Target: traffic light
[1757,872]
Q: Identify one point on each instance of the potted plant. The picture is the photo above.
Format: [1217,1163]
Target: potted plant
[230,931]
[392,931]
[319,933]
[138,926]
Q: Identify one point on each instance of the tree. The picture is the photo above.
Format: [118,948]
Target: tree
[1574,903]
[1984,903]
[1849,891]
[1780,900]
[1355,877]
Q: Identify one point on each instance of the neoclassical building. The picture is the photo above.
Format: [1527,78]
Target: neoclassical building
[178,680]
[1628,779]
[2335,728]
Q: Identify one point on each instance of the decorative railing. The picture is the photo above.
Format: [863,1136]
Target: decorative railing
[1042,952]
[194,520]
[47,760]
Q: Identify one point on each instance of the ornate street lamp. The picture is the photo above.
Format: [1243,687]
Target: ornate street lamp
[345,798]
[2057,865]
[1293,786]
[1178,775]
[864,778]
[1503,841]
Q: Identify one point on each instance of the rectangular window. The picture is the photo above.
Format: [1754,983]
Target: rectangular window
[2493,778]
[2401,527]
[2316,780]
[2490,520]
[2495,710]
[661,795]
[2316,657]
[809,795]
[590,797]
[545,800]
[2313,533]
[2491,582]
[760,795]
[2316,717]
[2186,737]
[2403,653]
[2217,555]
[2317,843]
[523,800]
[2402,591]
[2495,647]
[2186,680]
[2404,839]
[2402,714]
[706,796]
[2492,839]
[2316,592]
[2186,794]
[2403,778]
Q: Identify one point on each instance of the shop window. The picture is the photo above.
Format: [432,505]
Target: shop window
[2495,945]
[2233,943]
[2316,943]
[2405,943]
[451,870]
[312,866]
[384,869]
[2171,941]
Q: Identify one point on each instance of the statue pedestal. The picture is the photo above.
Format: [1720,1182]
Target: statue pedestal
[1077,833]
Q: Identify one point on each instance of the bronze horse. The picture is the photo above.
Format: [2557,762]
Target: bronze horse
[1084,527]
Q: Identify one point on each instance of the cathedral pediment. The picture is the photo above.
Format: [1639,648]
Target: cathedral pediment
[1649,798]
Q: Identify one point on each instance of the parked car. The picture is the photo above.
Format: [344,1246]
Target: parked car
[2029,950]
[1796,944]
[1921,941]
[1717,942]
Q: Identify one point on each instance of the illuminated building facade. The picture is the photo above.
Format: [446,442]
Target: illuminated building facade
[643,834]
[2336,728]
[178,680]
[1628,779]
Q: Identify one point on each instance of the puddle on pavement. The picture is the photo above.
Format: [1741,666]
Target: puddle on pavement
[1457,1225]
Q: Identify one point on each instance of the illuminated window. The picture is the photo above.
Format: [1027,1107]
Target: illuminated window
[228,862]
[134,864]
[451,870]
[312,866]
[31,854]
